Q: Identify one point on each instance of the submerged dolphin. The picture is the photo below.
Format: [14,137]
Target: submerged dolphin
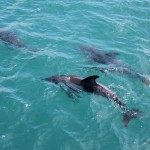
[89,84]
[100,57]
[109,58]
[145,78]
[10,38]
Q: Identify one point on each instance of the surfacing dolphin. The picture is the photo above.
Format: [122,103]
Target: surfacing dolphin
[75,84]
[109,58]
[10,38]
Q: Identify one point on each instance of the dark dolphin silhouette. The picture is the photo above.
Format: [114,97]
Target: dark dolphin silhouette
[109,58]
[100,57]
[10,38]
[75,83]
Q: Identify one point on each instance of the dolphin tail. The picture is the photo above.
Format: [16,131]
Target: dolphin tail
[131,114]
[145,78]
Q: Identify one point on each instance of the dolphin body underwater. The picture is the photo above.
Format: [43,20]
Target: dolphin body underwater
[10,38]
[76,84]
[109,58]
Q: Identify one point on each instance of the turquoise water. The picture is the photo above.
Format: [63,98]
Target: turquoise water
[35,115]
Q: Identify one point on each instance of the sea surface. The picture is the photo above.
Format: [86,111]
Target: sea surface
[36,115]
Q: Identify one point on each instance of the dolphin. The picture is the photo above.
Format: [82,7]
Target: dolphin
[100,57]
[10,38]
[109,58]
[89,84]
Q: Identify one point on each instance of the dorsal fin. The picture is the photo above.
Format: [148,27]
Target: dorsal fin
[90,80]
[88,83]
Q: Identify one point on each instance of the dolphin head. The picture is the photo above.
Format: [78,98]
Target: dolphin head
[57,79]
[53,79]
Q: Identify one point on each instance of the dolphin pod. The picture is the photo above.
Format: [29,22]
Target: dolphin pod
[109,58]
[75,84]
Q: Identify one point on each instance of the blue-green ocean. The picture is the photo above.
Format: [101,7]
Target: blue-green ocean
[36,115]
